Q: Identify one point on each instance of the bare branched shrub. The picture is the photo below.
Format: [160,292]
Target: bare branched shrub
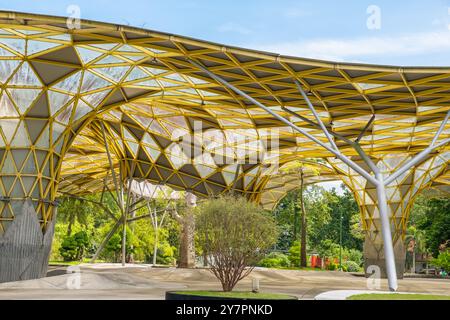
[235,234]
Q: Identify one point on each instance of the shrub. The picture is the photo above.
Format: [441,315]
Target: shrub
[351,266]
[443,261]
[355,256]
[332,266]
[73,247]
[294,254]
[275,260]
[235,234]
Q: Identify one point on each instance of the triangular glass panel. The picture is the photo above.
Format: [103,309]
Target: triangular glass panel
[87,55]
[135,74]
[21,138]
[6,53]
[148,83]
[147,139]
[155,71]
[44,140]
[9,164]
[114,73]
[104,46]
[7,183]
[19,156]
[81,110]
[95,99]
[64,116]
[7,68]
[128,48]
[109,60]
[34,46]
[93,82]
[8,127]
[57,101]
[25,76]
[70,84]
[18,45]
[23,97]
[6,106]
[57,131]
[152,153]
[28,183]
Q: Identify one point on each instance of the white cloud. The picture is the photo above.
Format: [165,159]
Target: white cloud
[235,28]
[360,48]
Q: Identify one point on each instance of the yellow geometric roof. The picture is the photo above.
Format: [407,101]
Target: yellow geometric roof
[141,86]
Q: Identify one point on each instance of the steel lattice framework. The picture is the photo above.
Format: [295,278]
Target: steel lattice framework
[68,93]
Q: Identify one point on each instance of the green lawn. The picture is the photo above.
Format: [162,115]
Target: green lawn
[238,295]
[72,263]
[397,296]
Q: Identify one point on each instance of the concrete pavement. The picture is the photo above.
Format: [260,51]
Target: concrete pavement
[109,281]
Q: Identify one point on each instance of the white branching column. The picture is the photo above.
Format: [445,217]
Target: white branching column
[187,243]
[400,198]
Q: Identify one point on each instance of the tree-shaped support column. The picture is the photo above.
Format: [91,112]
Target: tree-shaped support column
[400,195]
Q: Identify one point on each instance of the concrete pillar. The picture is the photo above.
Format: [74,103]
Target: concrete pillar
[374,252]
[24,248]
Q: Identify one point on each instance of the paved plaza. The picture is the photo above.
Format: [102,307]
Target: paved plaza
[108,281]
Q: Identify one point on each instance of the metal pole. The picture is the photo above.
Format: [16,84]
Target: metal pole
[441,128]
[361,135]
[105,241]
[386,233]
[418,158]
[316,115]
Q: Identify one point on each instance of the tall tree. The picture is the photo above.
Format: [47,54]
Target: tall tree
[73,210]
[300,168]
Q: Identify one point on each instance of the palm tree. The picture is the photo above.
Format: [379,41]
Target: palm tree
[301,168]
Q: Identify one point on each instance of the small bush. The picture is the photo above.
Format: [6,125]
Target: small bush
[350,266]
[73,247]
[443,261]
[294,254]
[332,266]
[275,260]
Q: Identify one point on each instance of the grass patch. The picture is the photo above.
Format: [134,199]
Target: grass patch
[238,295]
[397,296]
[72,263]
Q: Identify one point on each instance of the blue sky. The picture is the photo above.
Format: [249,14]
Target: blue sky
[411,32]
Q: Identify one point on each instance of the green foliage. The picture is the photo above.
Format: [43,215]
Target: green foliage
[353,255]
[351,266]
[328,249]
[113,249]
[275,260]
[294,254]
[431,214]
[73,247]
[235,233]
[332,266]
[443,261]
[324,210]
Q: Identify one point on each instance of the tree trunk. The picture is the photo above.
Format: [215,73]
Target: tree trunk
[303,262]
[155,247]
[187,246]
